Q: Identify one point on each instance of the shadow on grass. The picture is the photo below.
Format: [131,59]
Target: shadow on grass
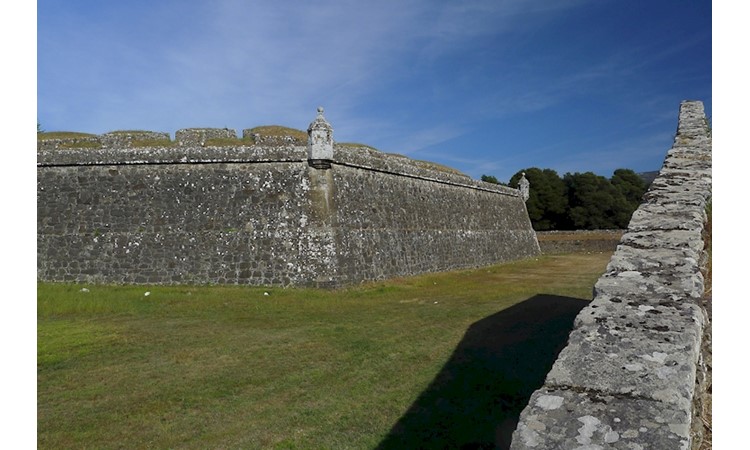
[476,399]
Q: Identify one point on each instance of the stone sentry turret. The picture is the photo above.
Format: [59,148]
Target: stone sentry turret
[523,186]
[320,142]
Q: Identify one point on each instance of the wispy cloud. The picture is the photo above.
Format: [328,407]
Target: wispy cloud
[641,153]
[266,61]
[429,78]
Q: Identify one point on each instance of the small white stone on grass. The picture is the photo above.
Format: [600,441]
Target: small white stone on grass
[84,290]
[147,293]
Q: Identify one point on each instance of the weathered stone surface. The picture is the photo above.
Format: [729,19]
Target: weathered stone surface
[199,136]
[259,214]
[126,139]
[691,241]
[393,226]
[631,373]
[69,143]
[320,141]
[642,350]
[169,155]
[666,216]
[652,260]
[568,419]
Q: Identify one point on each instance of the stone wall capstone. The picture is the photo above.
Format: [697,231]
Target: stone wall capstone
[630,376]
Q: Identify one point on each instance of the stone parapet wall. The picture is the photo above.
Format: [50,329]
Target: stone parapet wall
[199,136]
[632,372]
[373,160]
[156,155]
[263,215]
[176,223]
[81,142]
[127,139]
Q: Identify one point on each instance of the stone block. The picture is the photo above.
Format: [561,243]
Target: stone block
[198,136]
[576,419]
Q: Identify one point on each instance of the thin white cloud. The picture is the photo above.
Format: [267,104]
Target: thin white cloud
[642,153]
[236,64]
[267,60]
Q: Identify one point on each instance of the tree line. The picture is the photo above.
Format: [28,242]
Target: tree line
[579,201]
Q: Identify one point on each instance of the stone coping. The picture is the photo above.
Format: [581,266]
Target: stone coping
[353,156]
[169,155]
[628,375]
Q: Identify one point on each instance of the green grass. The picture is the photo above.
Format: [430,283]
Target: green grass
[81,139]
[45,135]
[439,167]
[280,131]
[429,165]
[126,132]
[231,367]
[356,145]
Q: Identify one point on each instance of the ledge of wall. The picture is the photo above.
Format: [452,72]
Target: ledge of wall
[169,155]
[191,152]
[631,372]
[371,159]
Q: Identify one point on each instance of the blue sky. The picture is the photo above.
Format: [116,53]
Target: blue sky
[489,87]
[486,86]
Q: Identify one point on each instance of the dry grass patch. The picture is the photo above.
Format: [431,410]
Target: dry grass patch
[594,235]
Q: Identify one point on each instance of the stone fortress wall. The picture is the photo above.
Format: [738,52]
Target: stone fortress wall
[633,373]
[135,207]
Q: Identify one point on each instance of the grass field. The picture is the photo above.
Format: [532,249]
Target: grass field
[434,361]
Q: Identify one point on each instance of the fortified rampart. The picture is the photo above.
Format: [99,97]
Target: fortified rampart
[632,375]
[135,207]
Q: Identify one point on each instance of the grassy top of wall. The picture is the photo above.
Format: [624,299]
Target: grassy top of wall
[278,131]
[68,140]
[428,164]
[48,135]
[356,145]
[439,167]
[260,135]
[129,132]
